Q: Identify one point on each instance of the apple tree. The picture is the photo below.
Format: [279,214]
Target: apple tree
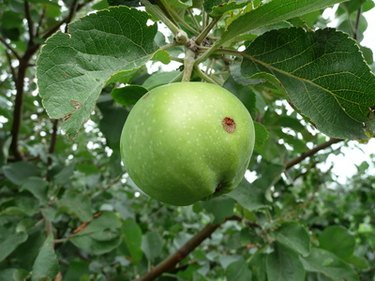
[301,89]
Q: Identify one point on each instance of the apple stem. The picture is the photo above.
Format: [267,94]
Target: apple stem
[189,62]
[206,30]
[158,13]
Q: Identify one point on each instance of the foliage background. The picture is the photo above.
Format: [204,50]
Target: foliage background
[68,211]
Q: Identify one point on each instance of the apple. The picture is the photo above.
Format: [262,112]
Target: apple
[188,141]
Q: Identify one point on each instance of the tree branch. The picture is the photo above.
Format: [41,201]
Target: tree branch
[188,64]
[73,9]
[170,262]
[30,24]
[310,153]
[10,48]
[40,22]
[20,82]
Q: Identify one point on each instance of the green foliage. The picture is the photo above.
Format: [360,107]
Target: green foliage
[68,209]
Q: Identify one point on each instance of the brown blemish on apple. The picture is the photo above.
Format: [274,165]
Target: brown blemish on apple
[229,125]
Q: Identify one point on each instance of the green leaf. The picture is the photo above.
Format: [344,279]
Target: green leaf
[77,270]
[162,56]
[238,271]
[46,265]
[283,265]
[128,95]
[295,237]
[261,136]
[323,74]
[244,93]
[252,196]
[273,12]
[248,196]
[337,240]
[112,123]
[10,238]
[220,207]
[326,263]
[76,203]
[19,172]
[64,175]
[217,8]
[132,234]
[152,245]
[160,78]
[14,274]
[99,49]
[37,187]
[101,236]
[258,266]
[359,262]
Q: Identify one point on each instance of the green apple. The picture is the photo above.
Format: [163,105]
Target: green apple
[184,142]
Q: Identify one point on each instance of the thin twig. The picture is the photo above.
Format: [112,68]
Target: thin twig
[158,13]
[10,48]
[30,24]
[310,153]
[194,20]
[206,30]
[204,76]
[73,9]
[356,25]
[41,18]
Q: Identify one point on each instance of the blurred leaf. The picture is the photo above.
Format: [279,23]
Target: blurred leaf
[284,265]
[261,137]
[152,245]
[295,237]
[10,239]
[248,196]
[329,265]
[253,196]
[76,203]
[220,207]
[72,70]
[37,187]
[337,240]
[132,234]
[64,175]
[244,93]
[238,271]
[14,274]
[128,95]
[76,270]
[19,172]
[101,235]
[46,265]
[160,78]
[258,266]
[112,123]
